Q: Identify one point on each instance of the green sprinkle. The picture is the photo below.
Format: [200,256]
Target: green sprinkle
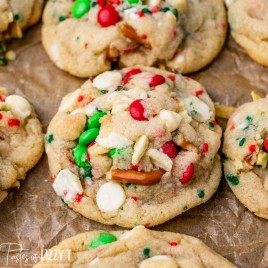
[102,239]
[249,118]
[185,208]
[165,9]
[200,193]
[242,142]
[112,152]
[146,11]
[245,128]
[64,203]
[3,48]
[3,60]
[211,124]
[86,173]
[146,252]
[232,179]
[50,138]
[94,4]
[127,185]
[175,12]
[16,16]
[62,18]
[77,38]
[194,112]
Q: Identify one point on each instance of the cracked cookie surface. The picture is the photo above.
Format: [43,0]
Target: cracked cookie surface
[136,146]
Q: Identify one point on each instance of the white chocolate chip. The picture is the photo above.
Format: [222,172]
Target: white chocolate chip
[160,159]
[19,106]
[140,147]
[107,80]
[159,261]
[119,107]
[67,185]
[114,140]
[110,197]
[69,100]
[228,2]
[136,93]
[90,109]
[198,109]
[170,119]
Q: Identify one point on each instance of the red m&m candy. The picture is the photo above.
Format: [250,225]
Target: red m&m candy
[129,74]
[136,111]
[108,16]
[170,149]
[157,80]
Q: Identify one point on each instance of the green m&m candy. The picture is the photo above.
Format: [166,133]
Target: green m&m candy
[102,239]
[94,120]
[133,2]
[80,8]
[88,136]
[80,156]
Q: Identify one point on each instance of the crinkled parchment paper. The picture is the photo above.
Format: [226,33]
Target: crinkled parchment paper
[33,217]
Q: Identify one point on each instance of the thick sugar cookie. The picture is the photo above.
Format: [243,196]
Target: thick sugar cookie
[204,24]
[246,150]
[249,27]
[85,40]
[139,247]
[17,15]
[21,140]
[136,146]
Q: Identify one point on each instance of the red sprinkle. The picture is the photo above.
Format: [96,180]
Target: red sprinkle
[140,14]
[155,9]
[136,167]
[199,92]
[80,98]
[172,77]
[173,244]
[78,198]
[144,36]
[266,144]
[214,122]
[101,3]
[2,98]
[129,75]
[91,144]
[170,149]
[188,174]
[136,111]
[108,16]
[157,80]
[71,161]
[205,147]
[13,122]
[232,126]
[52,177]
[134,198]
[223,26]
[1,116]
[252,148]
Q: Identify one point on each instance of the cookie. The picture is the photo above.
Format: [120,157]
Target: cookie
[245,148]
[21,140]
[136,146]
[248,24]
[84,39]
[16,16]
[204,24]
[139,247]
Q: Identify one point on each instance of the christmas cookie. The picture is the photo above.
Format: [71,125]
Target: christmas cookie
[21,140]
[139,247]
[249,27]
[246,152]
[136,146]
[16,16]
[84,37]
[204,25]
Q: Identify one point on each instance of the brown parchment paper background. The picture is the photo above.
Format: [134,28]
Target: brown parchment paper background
[34,217]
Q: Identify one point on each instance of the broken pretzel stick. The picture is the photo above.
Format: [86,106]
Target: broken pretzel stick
[224,111]
[136,177]
[129,32]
